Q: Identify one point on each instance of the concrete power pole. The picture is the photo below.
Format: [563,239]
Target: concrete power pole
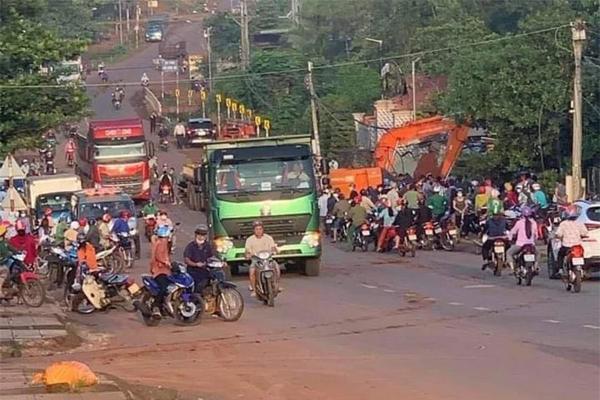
[121,22]
[295,12]
[207,35]
[578,36]
[313,109]
[245,36]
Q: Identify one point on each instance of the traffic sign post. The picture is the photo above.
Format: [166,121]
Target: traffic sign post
[177,101]
[257,121]
[203,102]
[219,99]
[267,126]
[242,109]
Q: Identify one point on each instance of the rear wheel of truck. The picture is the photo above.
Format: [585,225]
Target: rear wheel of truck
[312,267]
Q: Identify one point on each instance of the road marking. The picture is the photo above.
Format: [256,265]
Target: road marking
[591,326]
[482,309]
[454,303]
[430,299]
[478,286]
[389,291]
[368,286]
[551,321]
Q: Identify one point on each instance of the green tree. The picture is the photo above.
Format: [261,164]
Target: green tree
[30,102]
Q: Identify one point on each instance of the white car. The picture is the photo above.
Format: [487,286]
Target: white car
[588,214]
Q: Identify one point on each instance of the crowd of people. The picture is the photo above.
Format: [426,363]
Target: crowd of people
[399,206]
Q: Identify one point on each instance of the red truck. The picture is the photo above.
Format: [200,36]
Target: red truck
[115,154]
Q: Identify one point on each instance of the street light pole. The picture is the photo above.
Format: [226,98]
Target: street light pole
[207,35]
[380,44]
[578,36]
[414,90]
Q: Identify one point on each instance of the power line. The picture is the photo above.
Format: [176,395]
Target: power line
[320,67]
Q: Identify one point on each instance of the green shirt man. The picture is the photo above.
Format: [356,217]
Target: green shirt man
[438,204]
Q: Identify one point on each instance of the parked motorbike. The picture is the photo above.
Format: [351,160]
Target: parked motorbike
[525,268]
[362,237]
[87,291]
[180,301]
[221,298]
[267,285]
[22,283]
[572,269]
[446,234]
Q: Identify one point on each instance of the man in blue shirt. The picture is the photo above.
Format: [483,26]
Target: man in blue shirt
[196,255]
[539,197]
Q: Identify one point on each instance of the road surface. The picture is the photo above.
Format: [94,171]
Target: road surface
[372,326]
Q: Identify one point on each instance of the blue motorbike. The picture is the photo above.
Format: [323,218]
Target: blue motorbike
[179,299]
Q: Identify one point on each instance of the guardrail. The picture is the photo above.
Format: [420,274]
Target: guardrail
[153,101]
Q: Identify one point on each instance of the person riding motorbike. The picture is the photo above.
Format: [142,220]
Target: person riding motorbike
[71,234]
[121,224]
[100,68]
[340,211]
[437,203]
[145,80]
[104,229]
[387,215]
[524,232]
[86,252]
[160,264]
[166,182]
[522,196]
[60,228]
[494,204]
[540,199]
[196,255]
[255,244]
[70,150]
[423,216]
[5,251]
[358,215]
[404,219]
[571,232]
[511,198]
[24,242]
[93,234]
[495,228]
[150,208]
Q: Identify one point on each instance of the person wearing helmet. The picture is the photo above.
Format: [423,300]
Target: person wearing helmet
[494,228]
[256,243]
[196,254]
[494,204]
[163,219]
[60,229]
[86,253]
[83,224]
[539,198]
[437,203]
[23,241]
[71,234]
[150,208]
[104,230]
[460,206]
[5,250]
[160,263]
[571,232]
[25,167]
[525,231]
[121,224]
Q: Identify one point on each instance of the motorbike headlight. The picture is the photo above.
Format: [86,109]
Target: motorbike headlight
[223,244]
[133,232]
[312,239]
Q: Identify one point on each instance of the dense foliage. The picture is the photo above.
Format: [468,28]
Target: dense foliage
[29,101]
[518,85]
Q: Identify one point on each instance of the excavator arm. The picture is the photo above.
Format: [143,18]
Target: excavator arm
[413,147]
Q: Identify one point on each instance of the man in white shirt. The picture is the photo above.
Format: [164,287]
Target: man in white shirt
[179,133]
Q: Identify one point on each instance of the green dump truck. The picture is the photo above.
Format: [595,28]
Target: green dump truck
[270,179]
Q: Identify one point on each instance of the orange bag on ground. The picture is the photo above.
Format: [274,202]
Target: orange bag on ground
[72,373]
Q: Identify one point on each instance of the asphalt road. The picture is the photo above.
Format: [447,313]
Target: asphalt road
[371,326]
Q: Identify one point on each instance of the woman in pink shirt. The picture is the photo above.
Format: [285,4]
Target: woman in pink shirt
[524,232]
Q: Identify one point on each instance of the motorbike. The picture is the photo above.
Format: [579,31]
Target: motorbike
[221,298]
[329,225]
[149,226]
[166,194]
[87,291]
[22,283]
[572,269]
[116,103]
[525,268]
[498,254]
[343,229]
[446,234]
[124,251]
[362,237]
[164,144]
[180,301]
[409,246]
[70,159]
[428,236]
[267,285]
[50,169]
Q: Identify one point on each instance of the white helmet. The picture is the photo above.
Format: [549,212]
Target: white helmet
[74,225]
[437,189]
[474,183]
[536,186]
[495,193]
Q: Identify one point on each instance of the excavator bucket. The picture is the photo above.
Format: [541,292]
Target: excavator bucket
[427,146]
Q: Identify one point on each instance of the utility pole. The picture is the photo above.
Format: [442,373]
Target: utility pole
[245,38]
[207,34]
[137,25]
[295,11]
[414,90]
[127,23]
[313,110]
[579,37]
[121,22]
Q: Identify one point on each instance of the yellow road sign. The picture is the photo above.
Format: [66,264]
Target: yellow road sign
[190,93]
[234,106]
[176,92]
[257,120]
[203,96]
[242,109]
[267,124]
[219,98]
[228,102]
[249,113]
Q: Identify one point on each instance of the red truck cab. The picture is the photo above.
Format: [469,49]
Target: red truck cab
[115,154]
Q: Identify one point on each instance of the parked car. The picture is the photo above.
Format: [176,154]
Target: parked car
[200,130]
[589,214]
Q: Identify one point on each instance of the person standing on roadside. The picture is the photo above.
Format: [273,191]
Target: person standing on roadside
[179,133]
[323,201]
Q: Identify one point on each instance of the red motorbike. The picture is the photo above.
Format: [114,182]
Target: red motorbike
[166,194]
[22,283]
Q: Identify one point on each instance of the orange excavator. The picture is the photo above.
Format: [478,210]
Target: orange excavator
[426,146]
[237,129]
